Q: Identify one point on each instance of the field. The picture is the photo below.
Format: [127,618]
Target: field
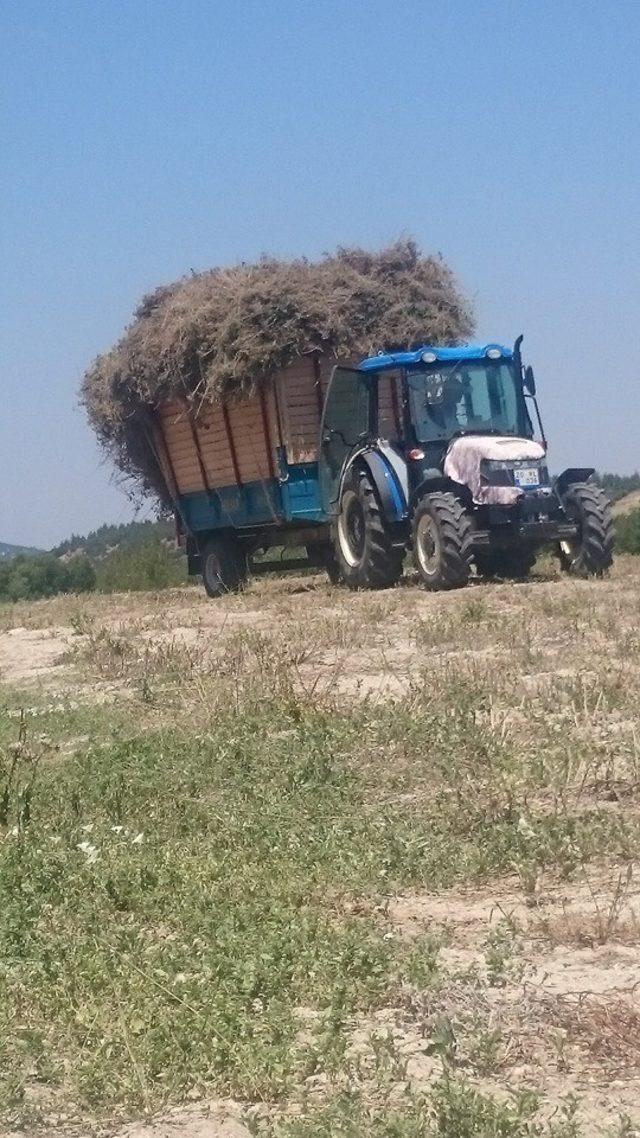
[307,863]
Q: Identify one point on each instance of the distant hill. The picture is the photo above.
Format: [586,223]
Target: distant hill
[100,542]
[627,504]
[137,555]
[7,551]
[617,486]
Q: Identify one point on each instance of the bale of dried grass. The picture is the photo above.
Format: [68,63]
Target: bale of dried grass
[216,335]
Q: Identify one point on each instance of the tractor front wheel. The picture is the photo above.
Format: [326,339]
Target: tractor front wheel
[590,553]
[224,566]
[365,553]
[442,541]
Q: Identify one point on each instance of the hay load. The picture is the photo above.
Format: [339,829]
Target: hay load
[221,338]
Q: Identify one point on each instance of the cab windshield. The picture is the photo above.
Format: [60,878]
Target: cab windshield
[467,397]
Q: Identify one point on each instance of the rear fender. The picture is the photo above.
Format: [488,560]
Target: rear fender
[570,476]
[390,494]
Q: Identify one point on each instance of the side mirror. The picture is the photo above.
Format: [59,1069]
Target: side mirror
[529,380]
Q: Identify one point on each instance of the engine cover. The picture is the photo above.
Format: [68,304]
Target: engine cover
[464,458]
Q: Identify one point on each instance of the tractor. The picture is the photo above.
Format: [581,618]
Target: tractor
[463,485]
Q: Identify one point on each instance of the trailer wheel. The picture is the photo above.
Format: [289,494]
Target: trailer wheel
[224,566]
[322,556]
[590,553]
[511,564]
[442,541]
[365,554]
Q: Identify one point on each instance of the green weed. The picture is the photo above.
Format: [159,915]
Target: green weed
[453,1110]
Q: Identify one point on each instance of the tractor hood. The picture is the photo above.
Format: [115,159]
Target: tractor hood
[464,464]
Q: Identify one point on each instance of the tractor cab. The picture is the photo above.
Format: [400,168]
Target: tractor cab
[448,402]
[454,392]
[466,396]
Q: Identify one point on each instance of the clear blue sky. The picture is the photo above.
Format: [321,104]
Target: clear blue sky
[142,138]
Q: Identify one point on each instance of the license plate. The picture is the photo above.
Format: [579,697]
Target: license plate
[527,476]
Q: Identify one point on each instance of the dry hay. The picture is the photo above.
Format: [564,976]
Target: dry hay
[608,1029]
[216,335]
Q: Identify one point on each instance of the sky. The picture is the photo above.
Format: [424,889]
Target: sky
[141,139]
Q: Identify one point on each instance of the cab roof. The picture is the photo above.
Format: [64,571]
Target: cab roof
[412,359]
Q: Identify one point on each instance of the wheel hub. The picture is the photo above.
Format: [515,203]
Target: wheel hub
[352,529]
[428,545]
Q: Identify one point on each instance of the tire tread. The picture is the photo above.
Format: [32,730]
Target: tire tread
[233,564]
[456,538]
[597,537]
[382,566]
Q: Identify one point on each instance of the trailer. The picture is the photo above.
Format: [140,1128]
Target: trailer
[430,450]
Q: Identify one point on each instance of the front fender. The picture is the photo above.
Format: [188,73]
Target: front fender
[571,475]
[434,480]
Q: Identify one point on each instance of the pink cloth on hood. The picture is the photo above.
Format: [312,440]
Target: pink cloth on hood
[463,458]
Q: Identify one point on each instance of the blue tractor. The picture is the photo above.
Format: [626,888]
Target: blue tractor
[464,484]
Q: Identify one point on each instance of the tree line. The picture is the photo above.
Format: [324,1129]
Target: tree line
[150,565]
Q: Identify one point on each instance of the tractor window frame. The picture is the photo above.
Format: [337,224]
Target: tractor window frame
[523,425]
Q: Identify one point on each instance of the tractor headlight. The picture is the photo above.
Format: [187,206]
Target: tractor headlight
[429,357]
[493,353]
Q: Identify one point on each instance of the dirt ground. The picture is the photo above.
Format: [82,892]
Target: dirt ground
[365,645]
[561,954]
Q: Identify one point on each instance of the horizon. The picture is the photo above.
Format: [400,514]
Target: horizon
[143,142]
[600,474]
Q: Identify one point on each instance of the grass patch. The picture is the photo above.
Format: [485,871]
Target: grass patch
[199,874]
[172,899]
[453,1110]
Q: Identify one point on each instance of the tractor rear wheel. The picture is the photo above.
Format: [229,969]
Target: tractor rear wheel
[511,564]
[365,553]
[442,541]
[224,566]
[590,553]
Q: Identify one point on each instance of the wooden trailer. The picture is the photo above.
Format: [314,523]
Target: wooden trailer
[252,464]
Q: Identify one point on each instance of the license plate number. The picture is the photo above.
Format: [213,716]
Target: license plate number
[527,476]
